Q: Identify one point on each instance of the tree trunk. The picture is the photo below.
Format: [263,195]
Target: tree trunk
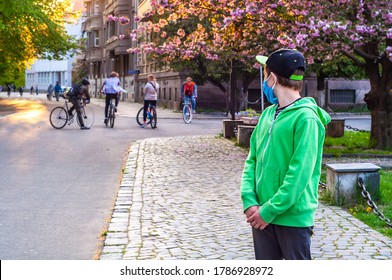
[233,89]
[380,106]
[224,92]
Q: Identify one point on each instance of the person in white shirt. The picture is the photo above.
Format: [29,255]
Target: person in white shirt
[150,96]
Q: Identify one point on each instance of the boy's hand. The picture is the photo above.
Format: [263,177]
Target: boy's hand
[254,218]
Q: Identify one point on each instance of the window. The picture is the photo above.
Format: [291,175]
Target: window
[111,27]
[342,96]
[96,38]
[96,7]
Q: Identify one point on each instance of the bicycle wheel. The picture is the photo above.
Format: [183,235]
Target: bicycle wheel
[112,115]
[139,116]
[153,117]
[87,115]
[187,114]
[58,117]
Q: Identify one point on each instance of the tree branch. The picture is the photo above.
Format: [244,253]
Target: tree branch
[353,58]
[366,55]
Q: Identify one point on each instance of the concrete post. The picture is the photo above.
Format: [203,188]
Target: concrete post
[228,127]
[244,134]
[335,128]
[342,181]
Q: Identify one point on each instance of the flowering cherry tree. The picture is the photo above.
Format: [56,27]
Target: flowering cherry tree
[207,35]
[362,31]
[234,31]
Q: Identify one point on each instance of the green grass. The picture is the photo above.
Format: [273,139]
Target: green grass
[358,143]
[351,143]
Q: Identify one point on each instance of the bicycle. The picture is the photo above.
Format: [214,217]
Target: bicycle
[151,116]
[111,114]
[187,111]
[59,116]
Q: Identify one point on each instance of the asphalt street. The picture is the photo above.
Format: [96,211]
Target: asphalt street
[58,187]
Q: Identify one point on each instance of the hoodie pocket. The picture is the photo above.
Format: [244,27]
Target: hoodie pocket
[267,183]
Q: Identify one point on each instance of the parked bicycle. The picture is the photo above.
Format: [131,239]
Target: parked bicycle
[59,116]
[151,116]
[187,111]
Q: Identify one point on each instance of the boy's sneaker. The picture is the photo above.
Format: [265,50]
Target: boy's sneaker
[105,121]
[84,128]
[143,125]
[115,109]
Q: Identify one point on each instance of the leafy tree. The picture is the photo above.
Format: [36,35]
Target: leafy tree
[325,31]
[205,37]
[32,29]
[362,32]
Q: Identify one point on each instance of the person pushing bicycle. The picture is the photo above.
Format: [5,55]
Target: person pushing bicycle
[150,96]
[75,97]
[112,89]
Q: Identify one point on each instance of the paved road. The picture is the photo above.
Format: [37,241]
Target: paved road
[180,199]
[57,187]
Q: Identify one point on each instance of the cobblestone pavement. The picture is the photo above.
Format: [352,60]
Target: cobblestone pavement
[180,199]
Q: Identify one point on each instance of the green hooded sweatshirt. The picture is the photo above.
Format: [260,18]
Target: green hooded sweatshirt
[282,171]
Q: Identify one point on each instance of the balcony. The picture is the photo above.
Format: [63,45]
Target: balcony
[119,46]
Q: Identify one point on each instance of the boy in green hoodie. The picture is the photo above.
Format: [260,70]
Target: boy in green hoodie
[281,174]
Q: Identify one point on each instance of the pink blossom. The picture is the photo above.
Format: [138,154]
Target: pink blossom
[387,17]
[315,33]
[124,20]
[388,51]
[181,32]
[389,33]
[133,50]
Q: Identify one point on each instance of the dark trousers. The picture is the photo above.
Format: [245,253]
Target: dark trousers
[76,105]
[107,101]
[282,242]
[146,103]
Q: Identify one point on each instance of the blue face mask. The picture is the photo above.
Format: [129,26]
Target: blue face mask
[269,92]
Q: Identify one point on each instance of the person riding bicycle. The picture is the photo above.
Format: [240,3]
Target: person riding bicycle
[189,93]
[150,91]
[75,96]
[112,89]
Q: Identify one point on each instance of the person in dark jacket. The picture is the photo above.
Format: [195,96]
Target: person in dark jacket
[57,90]
[9,89]
[75,97]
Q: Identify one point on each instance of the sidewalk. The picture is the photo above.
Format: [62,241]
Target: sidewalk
[180,199]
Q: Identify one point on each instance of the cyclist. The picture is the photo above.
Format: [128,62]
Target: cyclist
[112,89]
[75,96]
[150,96]
[189,93]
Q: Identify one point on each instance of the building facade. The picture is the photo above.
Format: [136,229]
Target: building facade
[107,42]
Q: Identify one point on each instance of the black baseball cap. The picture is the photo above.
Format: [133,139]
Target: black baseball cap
[284,62]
